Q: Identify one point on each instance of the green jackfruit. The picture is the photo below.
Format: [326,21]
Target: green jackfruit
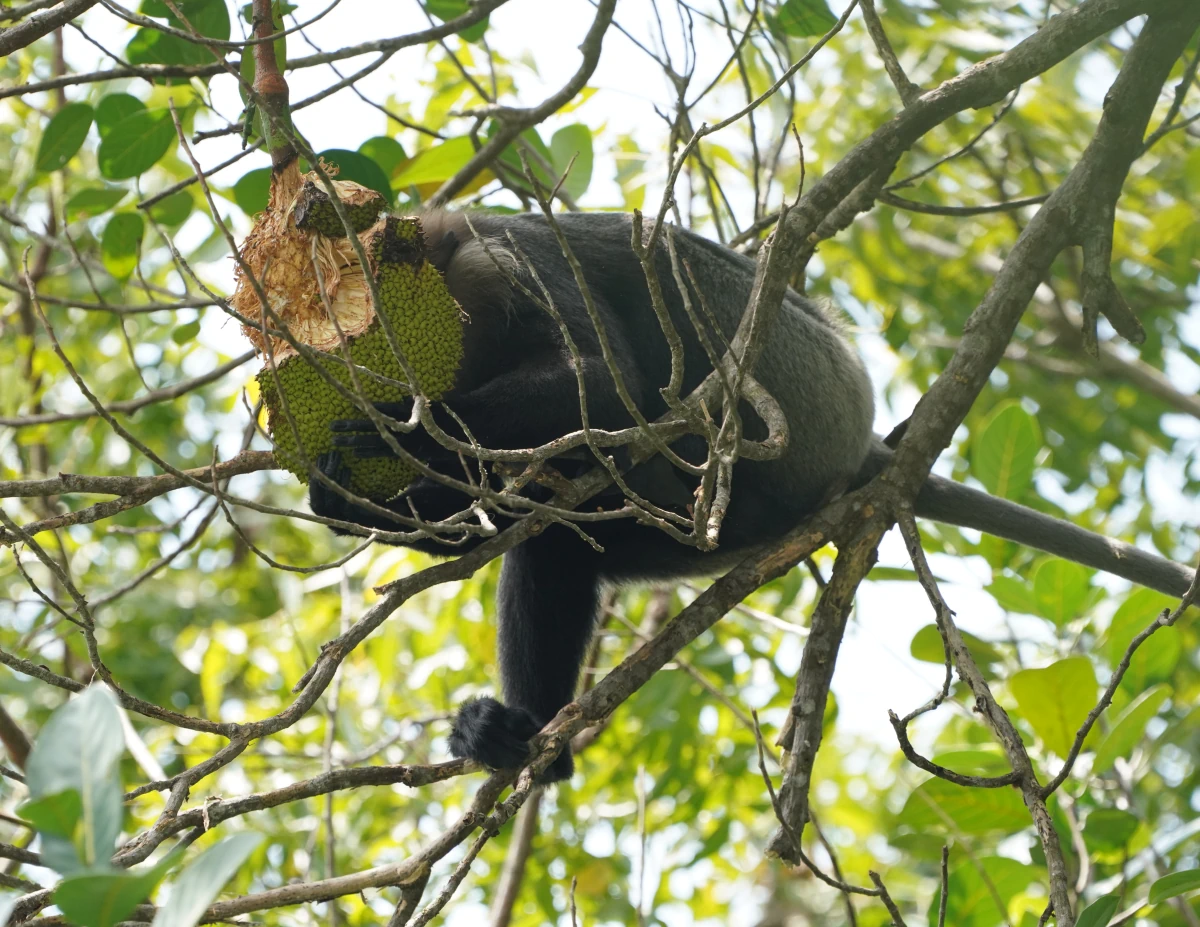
[424,317]
[314,212]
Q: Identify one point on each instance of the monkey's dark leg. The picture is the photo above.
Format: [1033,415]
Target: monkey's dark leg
[547,610]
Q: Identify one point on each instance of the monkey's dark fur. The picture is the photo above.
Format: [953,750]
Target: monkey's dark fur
[516,388]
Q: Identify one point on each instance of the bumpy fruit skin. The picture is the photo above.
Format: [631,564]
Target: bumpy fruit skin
[315,213]
[427,323]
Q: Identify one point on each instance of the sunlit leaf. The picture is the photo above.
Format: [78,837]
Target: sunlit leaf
[63,136]
[195,888]
[945,807]
[113,107]
[1177,883]
[1154,660]
[1003,455]
[436,164]
[1060,589]
[94,201]
[1055,700]
[1129,728]
[1109,828]
[1099,912]
[800,18]
[121,243]
[386,152]
[252,190]
[135,144]
[573,141]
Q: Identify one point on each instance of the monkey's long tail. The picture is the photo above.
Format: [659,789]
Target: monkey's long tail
[955,504]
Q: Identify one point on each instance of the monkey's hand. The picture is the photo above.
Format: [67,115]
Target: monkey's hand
[498,736]
[362,438]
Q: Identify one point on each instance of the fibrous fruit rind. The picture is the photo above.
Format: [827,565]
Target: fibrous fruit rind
[424,317]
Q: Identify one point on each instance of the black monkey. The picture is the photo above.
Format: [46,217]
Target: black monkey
[516,388]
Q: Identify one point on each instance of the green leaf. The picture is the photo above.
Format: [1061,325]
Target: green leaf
[186,332]
[1003,455]
[114,107]
[1013,595]
[971,898]
[252,191]
[1155,660]
[78,748]
[1099,912]
[446,10]
[971,811]
[1177,883]
[150,46]
[359,168]
[386,152]
[56,814]
[927,647]
[1129,728]
[1056,700]
[174,209]
[135,144]
[436,164]
[199,883]
[103,899]
[94,201]
[801,18]
[573,141]
[63,136]
[120,243]
[1109,828]
[1060,589]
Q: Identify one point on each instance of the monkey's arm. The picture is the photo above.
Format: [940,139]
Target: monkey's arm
[955,504]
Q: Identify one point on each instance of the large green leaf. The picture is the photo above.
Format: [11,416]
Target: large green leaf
[78,749]
[135,144]
[1060,589]
[1109,828]
[174,209]
[446,10]
[386,152]
[801,18]
[63,136]
[121,243]
[252,190]
[202,880]
[113,107]
[94,201]
[103,899]
[971,900]
[436,164]
[1129,728]
[927,646]
[56,814]
[1155,660]
[1177,883]
[1003,454]
[971,811]
[150,46]
[573,141]
[1056,700]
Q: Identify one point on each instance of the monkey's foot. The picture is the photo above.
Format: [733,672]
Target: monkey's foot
[498,736]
